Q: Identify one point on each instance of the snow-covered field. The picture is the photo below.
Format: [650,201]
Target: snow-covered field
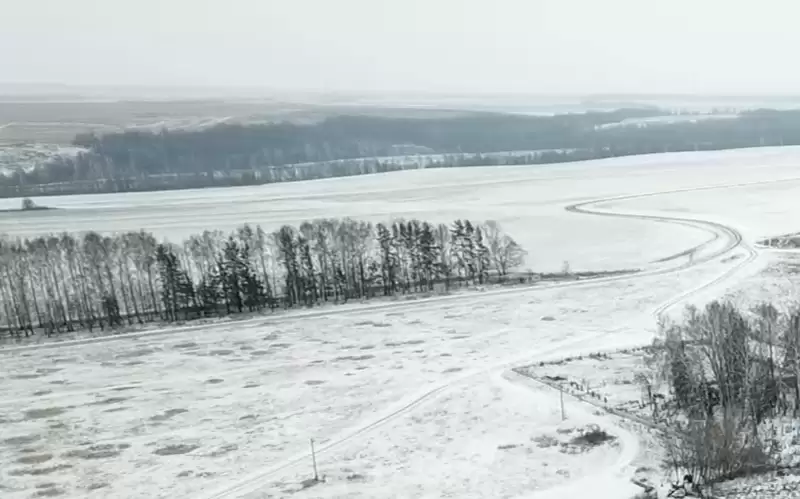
[528,201]
[406,400]
[669,119]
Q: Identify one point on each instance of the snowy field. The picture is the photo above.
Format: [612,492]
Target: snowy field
[669,119]
[528,201]
[403,400]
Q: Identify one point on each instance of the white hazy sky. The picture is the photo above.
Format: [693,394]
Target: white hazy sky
[529,46]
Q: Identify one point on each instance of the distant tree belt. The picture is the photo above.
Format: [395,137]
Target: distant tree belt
[256,154]
[69,282]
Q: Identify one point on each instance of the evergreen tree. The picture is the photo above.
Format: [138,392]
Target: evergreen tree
[444,266]
[469,250]
[482,256]
[458,249]
[287,248]
[411,246]
[208,291]
[428,255]
[168,271]
[234,275]
[309,275]
[388,258]
[399,236]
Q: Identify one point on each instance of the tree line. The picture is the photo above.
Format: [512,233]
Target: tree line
[304,171]
[255,147]
[67,282]
[230,155]
[733,375]
[227,155]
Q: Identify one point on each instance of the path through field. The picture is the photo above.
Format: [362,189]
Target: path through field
[402,399]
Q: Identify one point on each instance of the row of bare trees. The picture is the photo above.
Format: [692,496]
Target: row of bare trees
[733,376]
[67,282]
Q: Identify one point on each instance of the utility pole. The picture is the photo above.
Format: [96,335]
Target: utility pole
[563,414]
[314,460]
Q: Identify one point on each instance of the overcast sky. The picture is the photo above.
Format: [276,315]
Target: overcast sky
[528,46]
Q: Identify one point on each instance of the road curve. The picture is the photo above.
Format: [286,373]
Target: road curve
[615,477]
[254,482]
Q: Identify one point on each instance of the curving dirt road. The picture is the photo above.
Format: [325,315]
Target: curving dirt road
[705,253]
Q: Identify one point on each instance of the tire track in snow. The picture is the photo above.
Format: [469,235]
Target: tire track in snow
[255,481]
[732,234]
[612,477]
[617,476]
[252,483]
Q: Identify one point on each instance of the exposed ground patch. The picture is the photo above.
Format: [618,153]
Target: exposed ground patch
[110,401]
[184,345]
[401,343]
[35,459]
[545,441]
[220,353]
[167,415]
[117,409]
[223,449]
[355,358]
[39,471]
[372,323]
[48,370]
[590,437]
[22,440]
[141,352]
[43,413]
[100,451]
[65,360]
[124,388]
[49,492]
[175,449]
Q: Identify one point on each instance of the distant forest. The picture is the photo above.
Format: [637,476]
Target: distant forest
[68,282]
[257,154]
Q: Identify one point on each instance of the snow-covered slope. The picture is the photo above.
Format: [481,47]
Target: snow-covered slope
[28,157]
[412,399]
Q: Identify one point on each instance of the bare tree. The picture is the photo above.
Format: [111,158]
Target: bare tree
[721,374]
[504,250]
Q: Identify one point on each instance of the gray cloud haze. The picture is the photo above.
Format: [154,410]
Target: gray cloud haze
[527,46]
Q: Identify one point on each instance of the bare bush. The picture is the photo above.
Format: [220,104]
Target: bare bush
[725,384]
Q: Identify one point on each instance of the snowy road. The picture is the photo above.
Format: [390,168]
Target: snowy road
[732,239]
[404,399]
